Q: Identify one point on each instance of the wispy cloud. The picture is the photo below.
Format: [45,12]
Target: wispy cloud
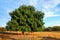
[33,2]
[48,6]
[50,14]
[55,24]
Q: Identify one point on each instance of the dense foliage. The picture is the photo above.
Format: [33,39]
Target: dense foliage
[54,28]
[26,18]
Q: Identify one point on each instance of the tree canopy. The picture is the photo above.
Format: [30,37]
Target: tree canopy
[26,18]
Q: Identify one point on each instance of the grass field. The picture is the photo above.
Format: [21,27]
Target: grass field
[30,36]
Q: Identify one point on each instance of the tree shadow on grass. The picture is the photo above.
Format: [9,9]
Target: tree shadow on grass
[50,38]
[3,36]
[9,33]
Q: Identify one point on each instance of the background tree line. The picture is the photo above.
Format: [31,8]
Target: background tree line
[54,28]
[3,29]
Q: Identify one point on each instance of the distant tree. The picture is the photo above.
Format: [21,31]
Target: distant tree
[48,29]
[3,29]
[54,28]
[26,18]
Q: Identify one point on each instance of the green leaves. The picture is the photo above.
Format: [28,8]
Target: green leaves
[26,18]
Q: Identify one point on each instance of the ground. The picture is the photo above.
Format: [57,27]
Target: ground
[30,36]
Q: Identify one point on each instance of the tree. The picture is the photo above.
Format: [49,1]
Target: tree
[26,18]
[54,28]
[3,29]
[49,29]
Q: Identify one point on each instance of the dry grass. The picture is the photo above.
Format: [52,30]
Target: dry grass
[30,36]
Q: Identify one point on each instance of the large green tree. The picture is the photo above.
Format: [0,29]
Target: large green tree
[26,18]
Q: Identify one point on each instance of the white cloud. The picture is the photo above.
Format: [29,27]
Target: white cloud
[50,14]
[48,6]
[51,25]
[9,10]
[55,24]
[33,2]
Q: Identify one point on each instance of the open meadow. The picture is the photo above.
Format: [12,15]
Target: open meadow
[30,36]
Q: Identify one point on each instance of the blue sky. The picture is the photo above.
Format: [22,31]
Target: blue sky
[51,8]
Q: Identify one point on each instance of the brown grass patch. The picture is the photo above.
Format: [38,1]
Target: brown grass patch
[30,36]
